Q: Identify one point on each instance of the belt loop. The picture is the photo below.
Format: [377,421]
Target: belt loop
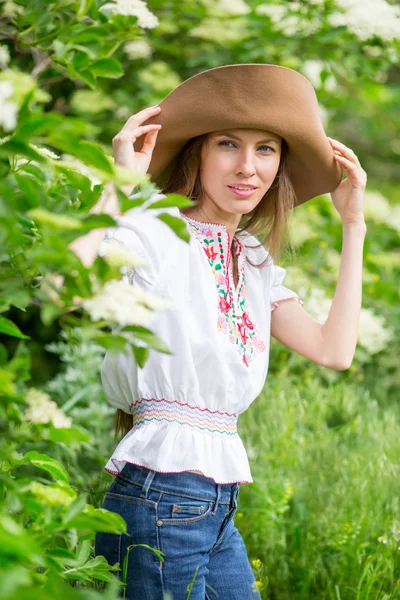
[218,498]
[147,484]
[235,494]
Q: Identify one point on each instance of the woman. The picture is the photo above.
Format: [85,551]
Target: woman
[246,144]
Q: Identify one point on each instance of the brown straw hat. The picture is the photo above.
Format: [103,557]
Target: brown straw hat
[253,96]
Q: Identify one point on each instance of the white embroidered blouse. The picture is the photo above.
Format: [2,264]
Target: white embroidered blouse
[185,406]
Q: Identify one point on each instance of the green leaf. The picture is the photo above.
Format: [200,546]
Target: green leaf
[9,328]
[150,339]
[107,67]
[172,200]
[80,61]
[54,220]
[98,519]
[75,508]
[67,435]
[52,466]
[176,225]
[88,152]
[141,355]
[100,221]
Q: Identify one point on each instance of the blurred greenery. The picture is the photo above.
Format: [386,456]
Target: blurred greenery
[322,517]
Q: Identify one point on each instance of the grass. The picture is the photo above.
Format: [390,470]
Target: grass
[323,513]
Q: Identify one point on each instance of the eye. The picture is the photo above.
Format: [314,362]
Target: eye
[223,142]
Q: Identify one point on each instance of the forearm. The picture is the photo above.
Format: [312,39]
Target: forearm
[86,246]
[340,331]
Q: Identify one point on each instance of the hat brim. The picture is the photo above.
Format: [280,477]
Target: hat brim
[254,96]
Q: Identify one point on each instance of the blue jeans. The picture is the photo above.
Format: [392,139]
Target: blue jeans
[189,518]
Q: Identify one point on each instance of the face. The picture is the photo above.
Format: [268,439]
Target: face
[238,157]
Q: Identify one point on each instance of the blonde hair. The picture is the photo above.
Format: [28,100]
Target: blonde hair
[268,221]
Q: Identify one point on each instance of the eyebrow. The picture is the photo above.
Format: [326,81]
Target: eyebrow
[228,133]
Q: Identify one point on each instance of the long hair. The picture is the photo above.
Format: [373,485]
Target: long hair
[268,221]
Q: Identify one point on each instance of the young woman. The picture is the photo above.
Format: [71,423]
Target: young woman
[246,145]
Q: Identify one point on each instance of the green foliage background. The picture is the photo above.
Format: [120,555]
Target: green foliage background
[322,517]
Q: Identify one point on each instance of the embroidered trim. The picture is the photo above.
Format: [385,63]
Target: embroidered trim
[152,409]
[114,460]
[234,319]
[274,304]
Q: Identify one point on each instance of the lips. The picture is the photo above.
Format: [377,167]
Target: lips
[245,193]
[246,187]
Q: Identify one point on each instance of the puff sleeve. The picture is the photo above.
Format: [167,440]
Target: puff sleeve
[141,233]
[278,291]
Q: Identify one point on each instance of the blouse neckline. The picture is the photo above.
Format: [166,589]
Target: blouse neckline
[209,230]
[211,224]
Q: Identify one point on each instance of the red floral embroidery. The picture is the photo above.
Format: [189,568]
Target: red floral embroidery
[233,318]
[224,306]
[210,252]
[247,321]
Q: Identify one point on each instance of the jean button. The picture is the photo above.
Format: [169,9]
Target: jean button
[160,522]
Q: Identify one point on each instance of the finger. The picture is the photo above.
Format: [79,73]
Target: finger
[132,134]
[348,152]
[149,143]
[349,165]
[144,114]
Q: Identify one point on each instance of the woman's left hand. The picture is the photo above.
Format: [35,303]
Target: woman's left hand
[348,197]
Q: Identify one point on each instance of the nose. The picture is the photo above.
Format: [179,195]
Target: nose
[245,165]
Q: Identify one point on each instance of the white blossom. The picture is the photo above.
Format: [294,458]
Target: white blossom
[312,69]
[4,54]
[395,532]
[382,539]
[11,9]
[366,18]
[45,152]
[137,49]
[9,110]
[125,304]
[133,8]
[395,218]
[372,334]
[44,410]
[227,7]
[77,165]
[285,18]
[118,255]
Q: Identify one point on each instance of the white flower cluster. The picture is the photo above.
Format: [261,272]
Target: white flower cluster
[133,8]
[11,9]
[4,55]
[366,18]
[9,110]
[125,304]
[286,18]
[137,49]
[215,29]
[395,530]
[118,255]
[77,165]
[378,209]
[44,410]
[373,335]
[226,7]
[312,69]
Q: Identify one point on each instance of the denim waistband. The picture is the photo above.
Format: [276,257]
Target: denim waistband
[183,482]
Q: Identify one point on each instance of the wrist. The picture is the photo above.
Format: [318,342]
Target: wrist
[358,225]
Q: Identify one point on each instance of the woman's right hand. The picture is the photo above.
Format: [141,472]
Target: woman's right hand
[123,142]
